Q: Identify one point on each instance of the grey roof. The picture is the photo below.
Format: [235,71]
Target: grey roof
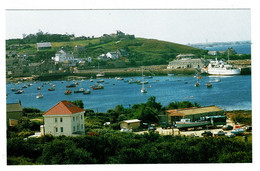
[14,107]
[45,44]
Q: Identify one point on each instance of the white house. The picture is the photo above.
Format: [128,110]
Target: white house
[64,118]
[102,57]
[112,55]
[62,56]
[213,53]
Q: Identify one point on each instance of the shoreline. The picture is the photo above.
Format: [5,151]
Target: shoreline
[111,73]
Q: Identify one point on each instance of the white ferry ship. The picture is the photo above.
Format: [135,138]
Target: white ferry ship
[219,68]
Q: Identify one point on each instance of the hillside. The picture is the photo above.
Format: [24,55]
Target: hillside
[140,51]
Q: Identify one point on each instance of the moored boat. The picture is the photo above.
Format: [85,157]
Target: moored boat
[67,92]
[39,88]
[86,92]
[51,89]
[81,90]
[100,86]
[71,85]
[219,68]
[209,85]
[197,84]
[39,96]
[19,92]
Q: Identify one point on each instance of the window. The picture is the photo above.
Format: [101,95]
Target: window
[61,129]
[60,119]
[73,118]
[74,129]
[77,127]
[81,116]
[56,129]
[56,119]
[81,126]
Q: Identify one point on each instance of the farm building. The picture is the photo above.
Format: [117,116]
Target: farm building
[130,124]
[192,113]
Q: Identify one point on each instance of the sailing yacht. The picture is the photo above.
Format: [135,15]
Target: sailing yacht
[143,90]
[99,73]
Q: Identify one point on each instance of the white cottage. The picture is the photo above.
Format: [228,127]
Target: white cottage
[64,118]
[62,56]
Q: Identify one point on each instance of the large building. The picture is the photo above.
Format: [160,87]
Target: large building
[192,113]
[64,118]
[186,63]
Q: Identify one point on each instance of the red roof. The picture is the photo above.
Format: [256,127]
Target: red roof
[64,108]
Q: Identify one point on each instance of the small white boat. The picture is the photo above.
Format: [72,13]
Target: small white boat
[86,92]
[39,96]
[119,78]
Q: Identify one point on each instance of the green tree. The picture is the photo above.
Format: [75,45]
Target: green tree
[79,103]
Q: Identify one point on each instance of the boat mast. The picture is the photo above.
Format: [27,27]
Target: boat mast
[143,77]
[228,55]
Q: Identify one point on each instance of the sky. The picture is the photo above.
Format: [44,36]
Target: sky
[179,26]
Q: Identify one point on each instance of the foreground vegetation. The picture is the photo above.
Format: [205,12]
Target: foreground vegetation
[113,147]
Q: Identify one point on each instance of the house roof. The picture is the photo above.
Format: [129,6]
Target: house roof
[64,108]
[193,111]
[14,107]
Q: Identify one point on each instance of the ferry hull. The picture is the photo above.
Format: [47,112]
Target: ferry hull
[224,72]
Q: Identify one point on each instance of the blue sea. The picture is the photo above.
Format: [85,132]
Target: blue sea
[231,93]
[240,49]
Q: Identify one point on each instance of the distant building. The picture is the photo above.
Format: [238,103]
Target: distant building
[62,56]
[122,53]
[14,112]
[112,55]
[64,118]
[186,63]
[45,45]
[130,124]
[213,53]
[187,55]
[192,113]
[102,57]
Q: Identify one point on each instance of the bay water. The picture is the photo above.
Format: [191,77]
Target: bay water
[231,93]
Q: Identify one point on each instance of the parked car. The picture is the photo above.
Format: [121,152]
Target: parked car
[230,135]
[125,130]
[220,133]
[151,128]
[207,134]
[227,127]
